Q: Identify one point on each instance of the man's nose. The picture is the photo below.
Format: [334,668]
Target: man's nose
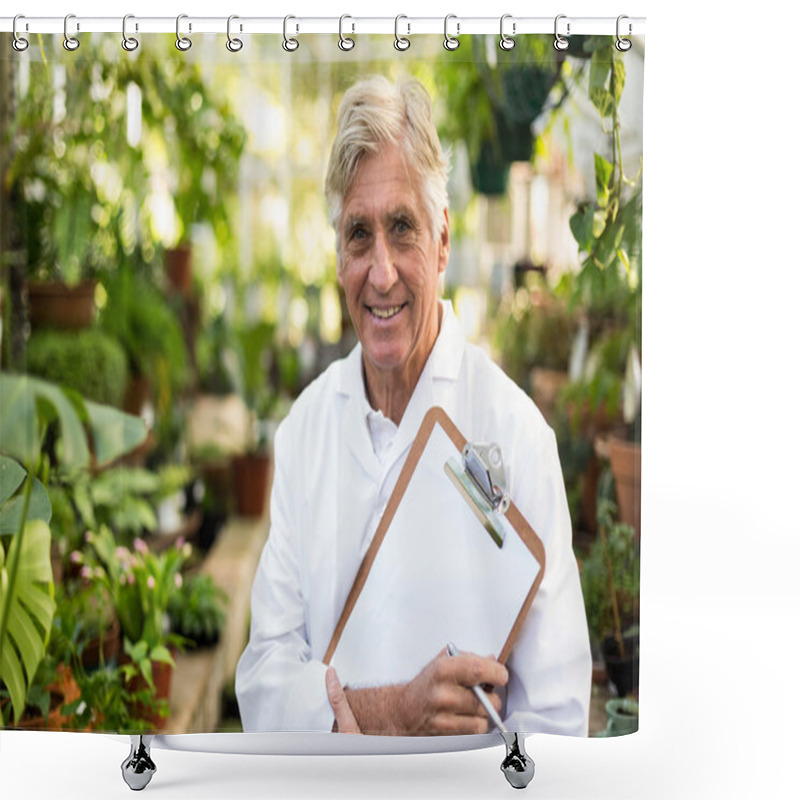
[382,274]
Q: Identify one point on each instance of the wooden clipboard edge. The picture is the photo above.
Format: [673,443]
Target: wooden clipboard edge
[436,415]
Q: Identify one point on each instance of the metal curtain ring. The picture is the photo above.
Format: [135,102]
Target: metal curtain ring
[450,42]
[233,44]
[19,43]
[400,42]
[345,42]
[183,43]
[560,42]
[623,45]
[289,45]
[70,42]
[506,42]
[128,42]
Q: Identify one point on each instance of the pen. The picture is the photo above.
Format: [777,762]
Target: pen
[452,650]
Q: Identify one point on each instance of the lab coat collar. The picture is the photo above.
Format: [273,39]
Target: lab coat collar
[442,367]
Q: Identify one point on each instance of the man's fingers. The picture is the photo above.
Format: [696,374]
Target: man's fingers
[469,669]
[345,720]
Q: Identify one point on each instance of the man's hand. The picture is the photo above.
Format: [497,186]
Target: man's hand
[345,721]
[439,700]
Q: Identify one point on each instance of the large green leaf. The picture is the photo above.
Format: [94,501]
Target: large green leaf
[114,432]
[38,508]
[28,402]
[30,608]
[11,477]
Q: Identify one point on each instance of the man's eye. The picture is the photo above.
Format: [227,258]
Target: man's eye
[402,226]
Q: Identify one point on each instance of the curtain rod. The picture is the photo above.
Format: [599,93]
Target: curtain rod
[405,25]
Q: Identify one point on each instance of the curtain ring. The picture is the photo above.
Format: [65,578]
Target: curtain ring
[183,43]
[506,42]
[560,42]
[289,45]
[70,42]
[233,44]
[400,42]
[450,42]
[128,42]
[20,44]
[623,45]
[345,42]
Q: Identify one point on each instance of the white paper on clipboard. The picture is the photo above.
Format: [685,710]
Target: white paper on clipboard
[437,576]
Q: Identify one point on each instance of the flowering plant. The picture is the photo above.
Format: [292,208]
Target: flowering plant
[140,584]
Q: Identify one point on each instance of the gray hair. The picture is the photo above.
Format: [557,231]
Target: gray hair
[373,113]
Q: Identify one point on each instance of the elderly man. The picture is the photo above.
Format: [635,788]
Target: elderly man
[339,452]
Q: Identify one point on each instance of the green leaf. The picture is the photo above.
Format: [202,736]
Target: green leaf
[603,175]
[160,653]
[38,508]
[581,223]
[11,477]
[30,607]
[114,432]
[28,405]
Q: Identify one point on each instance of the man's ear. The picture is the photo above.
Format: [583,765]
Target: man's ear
[444,243]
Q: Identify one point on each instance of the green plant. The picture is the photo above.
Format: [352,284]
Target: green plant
[607,227]
[492,105]
[90,362]
[219,360]
[197,611]
[140,584]
[31,408]
[610,578]
[140,318]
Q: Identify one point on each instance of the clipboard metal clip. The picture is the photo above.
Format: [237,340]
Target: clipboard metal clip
[484,464]
[481,480]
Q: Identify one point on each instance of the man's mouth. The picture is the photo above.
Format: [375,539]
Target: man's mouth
[385,313]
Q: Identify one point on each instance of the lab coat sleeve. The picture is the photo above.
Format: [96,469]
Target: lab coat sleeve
[550,666]
[279,687]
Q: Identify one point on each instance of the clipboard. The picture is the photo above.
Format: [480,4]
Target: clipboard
[451,560]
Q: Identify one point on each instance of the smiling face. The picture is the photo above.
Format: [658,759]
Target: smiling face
[389,265]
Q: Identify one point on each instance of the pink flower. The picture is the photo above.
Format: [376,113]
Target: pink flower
[180,543]
[151,582]
[179,580]
[76,557]
[131,579]
[139,545]
[87,573]
[120,553]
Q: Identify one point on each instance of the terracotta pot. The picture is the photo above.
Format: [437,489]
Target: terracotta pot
[162,682]
[626,465]
[56,305]
[137,392]
[63,691]
[110,647]
[178,265]
[250,483]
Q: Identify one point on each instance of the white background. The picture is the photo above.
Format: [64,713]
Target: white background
[720,603]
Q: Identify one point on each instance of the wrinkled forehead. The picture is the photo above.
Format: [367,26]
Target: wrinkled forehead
[383,182]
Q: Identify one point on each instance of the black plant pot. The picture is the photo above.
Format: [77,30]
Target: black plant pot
[622,672]
[210,527]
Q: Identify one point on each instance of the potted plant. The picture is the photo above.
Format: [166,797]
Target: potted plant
[197,611]
[610,583]
[139,317]
[30,407]
[492,107]
[140,585]
[89,361]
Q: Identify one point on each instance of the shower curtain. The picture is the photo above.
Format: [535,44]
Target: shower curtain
[172,291]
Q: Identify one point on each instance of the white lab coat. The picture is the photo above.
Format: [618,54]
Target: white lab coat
[328,496]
